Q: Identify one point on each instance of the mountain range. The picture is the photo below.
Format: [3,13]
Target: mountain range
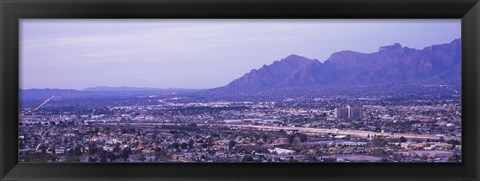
[437,64]
[397,64]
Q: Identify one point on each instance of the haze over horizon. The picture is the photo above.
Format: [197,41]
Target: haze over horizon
[197,54]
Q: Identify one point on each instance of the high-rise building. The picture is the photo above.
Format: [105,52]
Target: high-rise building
[348,112]
[341,112]
[354,112]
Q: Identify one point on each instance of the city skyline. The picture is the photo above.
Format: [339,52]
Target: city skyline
[84,43]
[317,91]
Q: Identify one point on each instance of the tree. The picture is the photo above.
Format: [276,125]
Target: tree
[72,159]
[247,158]
[175,145]
[117,148]
[231,144]
[312,158]
[142,158]
[103,156]
[203,157]
[442,139]
[27,156]
[126,153]
[183,146]
[160,154]
[111,156]
[303,137]
[190,144]
[329,160]
[77,151]
[92,159]
[291,159]
[453,142]
[264,138]
[92,149]
[291,138]
[44,149]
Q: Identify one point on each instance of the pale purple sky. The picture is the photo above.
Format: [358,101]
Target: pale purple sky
[171,53]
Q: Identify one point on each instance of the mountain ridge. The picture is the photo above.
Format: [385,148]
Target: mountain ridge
[390,64]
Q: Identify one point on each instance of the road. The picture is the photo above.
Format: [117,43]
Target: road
[348,132]
[39,106]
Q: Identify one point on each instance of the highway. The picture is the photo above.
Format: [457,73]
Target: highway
[356,133]
[39,106]
[347,132]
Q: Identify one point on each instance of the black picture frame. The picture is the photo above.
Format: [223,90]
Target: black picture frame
[13,10]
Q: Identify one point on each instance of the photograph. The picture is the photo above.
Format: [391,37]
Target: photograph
[240,91]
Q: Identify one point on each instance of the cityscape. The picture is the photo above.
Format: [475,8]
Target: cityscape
[284,131]
[394,105]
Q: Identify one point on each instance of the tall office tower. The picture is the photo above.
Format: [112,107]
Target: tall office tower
[354,112]
[341,112]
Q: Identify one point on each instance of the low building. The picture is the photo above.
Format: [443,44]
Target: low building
[427,153]
[350,143]
[281,151]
